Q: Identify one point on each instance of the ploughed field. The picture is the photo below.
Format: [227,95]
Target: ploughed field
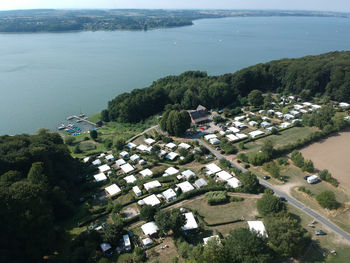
[332,154]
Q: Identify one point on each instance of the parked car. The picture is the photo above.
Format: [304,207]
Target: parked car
[320,232]
[246,166]
[267,177]
[283,199]
[239,161]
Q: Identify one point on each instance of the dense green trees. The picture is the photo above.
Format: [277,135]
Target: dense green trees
[297,158]
[250,183]
[175,122]
[326,74]
[168,220]
[38,179]
[327,200]
[255,98]
[270,203]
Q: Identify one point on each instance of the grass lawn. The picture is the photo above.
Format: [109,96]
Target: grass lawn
[285,137]
[224,213]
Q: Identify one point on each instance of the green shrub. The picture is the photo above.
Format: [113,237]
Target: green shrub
[327,200]
[236,199]
[305,190]
[308,166]
[216,197]
[272,168]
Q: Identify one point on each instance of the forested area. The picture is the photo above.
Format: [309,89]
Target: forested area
[38,187]
[325,75]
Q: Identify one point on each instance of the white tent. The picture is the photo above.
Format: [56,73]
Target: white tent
[185,186]
[190,222]
[256,133]
[104,168]
[109,158]
[131,145]
[97,162]
[146,172]
[212,168]
[210,136]
[232,137]
[188,174]
[171,171]
[150,228]
[200,183]
[124,154]
[120,162]
[127,168]
[233,182]
[169,194]
[112,190]
[100,177]
[142,147]
[224,176]
[149,141]
[137,190]
[151,200]
[134,158]
[130,179]
[171,146]
[241,135]
[152,184]
[184,145]
[171,156]
[233,129]
[258,227]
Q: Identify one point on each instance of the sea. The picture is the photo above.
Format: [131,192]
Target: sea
[45,77]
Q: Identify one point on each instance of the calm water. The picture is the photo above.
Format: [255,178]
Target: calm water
[46,77]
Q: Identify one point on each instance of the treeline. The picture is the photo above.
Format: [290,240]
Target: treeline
[326,75]
[38,185]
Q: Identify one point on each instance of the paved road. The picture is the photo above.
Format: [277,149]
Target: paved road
[290,199]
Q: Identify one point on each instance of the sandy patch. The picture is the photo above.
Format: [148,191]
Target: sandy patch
[332,154]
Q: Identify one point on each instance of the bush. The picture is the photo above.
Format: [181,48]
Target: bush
[327,200]
[305,190]
[327,176]
[270,204]
[236,199]
[272,168]
[282,161]
[297,158]
[224,164]
[243,157]
[308,166]
[216,197]
[258,158]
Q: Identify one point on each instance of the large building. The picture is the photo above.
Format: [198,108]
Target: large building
[199,116]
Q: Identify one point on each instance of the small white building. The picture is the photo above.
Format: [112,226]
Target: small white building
[232,137]
[270,112]
[312,179]
[127,243]
[206,239]
[209,137]
[279,114]
[146,172]
[100,177]
[200,183]
[150,228]
[256,133]
[169,195]
[191,223]
[344,105]
[265,124]
[135,158]
[241,135]
[142,162]
[307,104]
[223,176]
[171,156]
[252,123]
[285,125]
[315,107]
[124,154]
[233,182]
[137,190]
[120,162]
[147,241]
[184,146]
[258,227]
[112,190]
[214,141]
[171,146]
[233,129]
[131,145]
[261,111]
[86,159]
[303,111]
[149,141]
[188,174]
[109,158]
[294,112]
[105,247]
[298,107]
[97,162]
[171,171]
[185,186]
[212,169]
[239,118]
[270,129]
[151,200]
[150,185]
[142,148]
[104,168]
[288,116]
[130,179]
[127,168]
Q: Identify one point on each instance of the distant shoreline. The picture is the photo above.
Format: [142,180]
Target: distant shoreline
[83,20]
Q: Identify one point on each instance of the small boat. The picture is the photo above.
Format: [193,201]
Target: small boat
[70,117]
[61,127]
[82,115]
[79,121]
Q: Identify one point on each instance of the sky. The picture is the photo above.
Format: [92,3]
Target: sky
[319,5]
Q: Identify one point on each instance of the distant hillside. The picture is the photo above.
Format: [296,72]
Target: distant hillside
[51,20]
[323,75]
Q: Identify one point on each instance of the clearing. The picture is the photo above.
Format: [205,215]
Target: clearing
[332,154]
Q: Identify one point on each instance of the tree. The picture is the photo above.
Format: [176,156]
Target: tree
[250,183]
[269,204]
[272,168]
[112,233]
[170,220]
[327,200]
[214,251]
[255,98]
[36,174]
[268,148]
[308,166]
[175,122]
[139,255]
[105,115]
[325,175]
[147,213]
[297,158]
[119,144]
[286,236]
[77,149]
[242,245]
[93,134]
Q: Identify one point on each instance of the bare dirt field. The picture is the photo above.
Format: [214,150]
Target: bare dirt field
[332,154]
